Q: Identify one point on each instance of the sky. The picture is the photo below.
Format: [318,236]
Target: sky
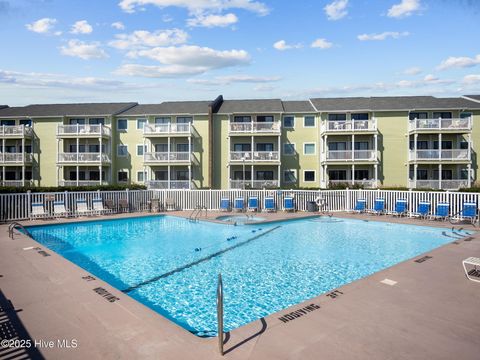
[149,51]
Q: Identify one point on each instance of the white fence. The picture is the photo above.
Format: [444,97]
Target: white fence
[18,206]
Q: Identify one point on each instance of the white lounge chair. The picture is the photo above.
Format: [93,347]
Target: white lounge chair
[38,211]
[59,209]
[98,207]
[82,208]
[474,273]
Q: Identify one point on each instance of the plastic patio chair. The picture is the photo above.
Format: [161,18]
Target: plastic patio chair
[253,203]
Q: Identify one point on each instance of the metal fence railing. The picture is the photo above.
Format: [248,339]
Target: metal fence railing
[18,206]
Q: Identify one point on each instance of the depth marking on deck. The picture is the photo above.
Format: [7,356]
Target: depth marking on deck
[88,278]
[298,313]
[423,259]
[334,294]
[106,294]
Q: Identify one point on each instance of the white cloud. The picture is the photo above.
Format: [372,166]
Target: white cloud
[198,6]
[321,43]
[382,36]
[412,71]
[83,50]
[118,25]
[81,27]
[336,10]
[459,62]
[141,39]
[282,45]
[227,80]
[404,8]
[264,88]
[471,79]
[183,60]
[43,26]
[213,20]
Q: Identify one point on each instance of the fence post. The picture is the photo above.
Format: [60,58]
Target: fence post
[128,199]
[347,205]
[29,203]
[65,199]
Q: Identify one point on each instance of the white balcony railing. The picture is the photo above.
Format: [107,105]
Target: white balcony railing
[82,182]
[254,184]
[167,157]
[349,155]
[16,131]
[367,184]
[439,155]
[16,183]
[16,158]
[78,158]
[440,124]
[165,129]
[249,156]
[437,184]
[350,126]
[172,184]
[83,130]
[255,127]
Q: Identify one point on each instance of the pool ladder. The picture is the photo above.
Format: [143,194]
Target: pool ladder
[197,212]
[12,227]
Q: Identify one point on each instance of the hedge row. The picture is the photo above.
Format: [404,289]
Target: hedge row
[13,189]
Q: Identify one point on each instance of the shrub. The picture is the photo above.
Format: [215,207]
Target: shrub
[13,189]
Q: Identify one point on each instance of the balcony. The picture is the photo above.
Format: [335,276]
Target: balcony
[254,184]
[366,184]
[15,131]
[349,155]
[83,131]
[83,158]
[256,128]
[152,130]
[168,158]
[172,184]
[254,156]
[351,126]
[429,155]
[437,184]
[448,125]
[16,183]
[82,183]
[16,158]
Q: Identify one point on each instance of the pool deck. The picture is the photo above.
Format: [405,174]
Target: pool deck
[431,312]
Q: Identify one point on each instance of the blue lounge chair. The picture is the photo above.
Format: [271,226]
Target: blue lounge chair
[360,206]
[442,211]
[269,204]
[469,212]
[423,209]
[401,207]
[288,203]
[378,207]
[225,204]
[253,203]
[239,204]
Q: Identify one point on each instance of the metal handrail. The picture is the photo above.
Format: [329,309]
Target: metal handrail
[220,314]
[197,212]
[12,227]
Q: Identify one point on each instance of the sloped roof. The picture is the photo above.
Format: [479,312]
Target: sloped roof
[170,108]
[54,110]
[297,106]
[251,106]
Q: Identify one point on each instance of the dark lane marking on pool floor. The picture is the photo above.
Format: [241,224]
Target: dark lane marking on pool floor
[199,261]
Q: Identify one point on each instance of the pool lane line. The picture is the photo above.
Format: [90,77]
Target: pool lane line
[199,261]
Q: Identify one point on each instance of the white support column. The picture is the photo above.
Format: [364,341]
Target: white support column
[78,151]
[440,175]
[145,177]
[252,177]
[23,158]
[440,146]
[101,155]
[375,169]
[58,158]
[189,177]
[168,176]
[353,147]
[469,174]
[353,174]
[469,167]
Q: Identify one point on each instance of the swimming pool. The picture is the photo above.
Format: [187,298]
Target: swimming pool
[278,265]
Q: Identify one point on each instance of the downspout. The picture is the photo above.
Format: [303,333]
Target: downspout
[212,110]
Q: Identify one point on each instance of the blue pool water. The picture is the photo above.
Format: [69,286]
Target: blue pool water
[293,262]
[240,219]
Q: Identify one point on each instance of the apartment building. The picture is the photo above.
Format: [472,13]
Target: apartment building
[413,141]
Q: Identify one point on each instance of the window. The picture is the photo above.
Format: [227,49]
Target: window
[122,176]
[442,115]
[161,175]
[309,121]
[242,119]
[309,175]
[75,121]
[288,122]
[184,120]
[418,115]
[446,145]
[264,175]
[289,176]
[242,147]
[182,175]
[28,175]
[333,146]
[26,122]
[464,145]
[94,148]
[141,149]
[337,175]
[361,175]
[337,117]
[122,150]
[81,148]
[122,124]
[95,175]
[96,121]
[264,147]
[182,148]
[289,149]
[238,175]
[141,176]
[464,174]
[10,175]
[422,174]
[162,120]
[361,145]
[7,122]
[463,115]
[360,116]
[159,148]
[309,149]
[141,123]
[265,118]
[28,149]
[422,145]
[446,174]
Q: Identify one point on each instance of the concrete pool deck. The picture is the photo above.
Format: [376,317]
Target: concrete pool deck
[431,312]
